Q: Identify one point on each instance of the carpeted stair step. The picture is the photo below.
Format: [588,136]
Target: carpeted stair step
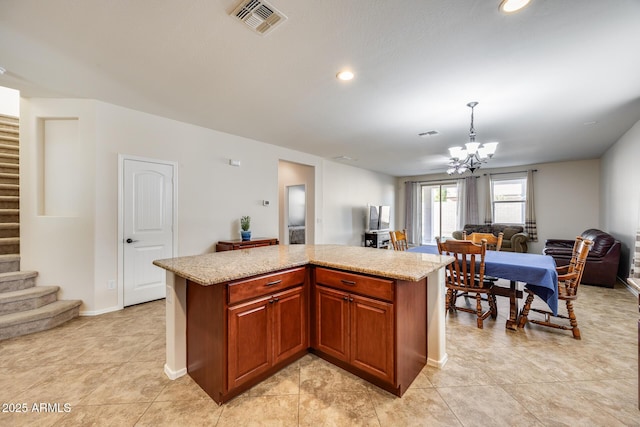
[9,153]
[9,168]
[9,215]
[6,120]
[38,319]
[16,280]
[9,202]
[9,229]
[9,189]
[9,139]
[9,178]
[27,299]
[9,263]
[9,245]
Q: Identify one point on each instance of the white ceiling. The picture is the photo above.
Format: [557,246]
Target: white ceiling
[538,75]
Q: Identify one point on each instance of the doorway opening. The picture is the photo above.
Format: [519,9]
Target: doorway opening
[296,183]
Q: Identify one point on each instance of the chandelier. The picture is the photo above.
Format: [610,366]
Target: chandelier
[473,155]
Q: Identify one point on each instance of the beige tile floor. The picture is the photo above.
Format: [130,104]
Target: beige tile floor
[108,370]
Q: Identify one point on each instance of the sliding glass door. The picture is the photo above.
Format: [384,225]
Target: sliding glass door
[439,211]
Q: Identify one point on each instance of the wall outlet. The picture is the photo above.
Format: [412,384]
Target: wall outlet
[111,284]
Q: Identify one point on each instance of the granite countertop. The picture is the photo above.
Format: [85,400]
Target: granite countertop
[221,267]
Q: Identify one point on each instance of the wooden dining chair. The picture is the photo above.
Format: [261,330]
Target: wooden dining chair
[494,243]
[465,276]
[399,240]
[569,277]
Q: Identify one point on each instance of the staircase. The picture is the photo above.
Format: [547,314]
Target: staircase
[24,307]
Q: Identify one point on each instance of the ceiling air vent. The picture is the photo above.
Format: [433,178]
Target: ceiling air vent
[258,15]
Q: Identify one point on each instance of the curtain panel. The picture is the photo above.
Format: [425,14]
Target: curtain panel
[530,225]
[412,212]
[488,209]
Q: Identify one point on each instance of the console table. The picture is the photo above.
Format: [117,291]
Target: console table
[232,245]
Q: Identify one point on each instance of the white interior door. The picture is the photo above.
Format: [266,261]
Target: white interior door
[147,228]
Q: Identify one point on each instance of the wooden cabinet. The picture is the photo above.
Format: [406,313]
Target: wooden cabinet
[331,322]
[233,245]
[358,325]
[355,329]
[240,333]
[263,332]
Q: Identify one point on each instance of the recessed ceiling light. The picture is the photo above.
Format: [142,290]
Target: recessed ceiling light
[345,75]
[512,6]
[2,70]
[345,158]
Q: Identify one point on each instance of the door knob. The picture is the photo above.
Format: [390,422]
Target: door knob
[130,240]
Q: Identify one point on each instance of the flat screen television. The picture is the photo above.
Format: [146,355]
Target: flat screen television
[378,218]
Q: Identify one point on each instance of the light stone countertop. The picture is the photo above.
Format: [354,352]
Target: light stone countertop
[221,267]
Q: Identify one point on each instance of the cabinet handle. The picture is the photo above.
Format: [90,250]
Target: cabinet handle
[350,299]
[348,282]
[346,298]
[275,282]
[271,301]
[276,299]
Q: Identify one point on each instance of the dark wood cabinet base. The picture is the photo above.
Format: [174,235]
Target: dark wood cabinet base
[241,333]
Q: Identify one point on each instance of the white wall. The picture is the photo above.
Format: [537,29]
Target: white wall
[566,197]
[80,253]
[60,248]
[620,193]
[347,192]
[9,101]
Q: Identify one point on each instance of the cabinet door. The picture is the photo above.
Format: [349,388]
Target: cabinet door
[249,342]
[332,322]
[289,323]
[372,334]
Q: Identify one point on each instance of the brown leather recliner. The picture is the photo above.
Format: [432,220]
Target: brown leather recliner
[602,263]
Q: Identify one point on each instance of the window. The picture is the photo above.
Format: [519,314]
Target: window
[509,198]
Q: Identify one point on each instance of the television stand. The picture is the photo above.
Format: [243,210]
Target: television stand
[377,239]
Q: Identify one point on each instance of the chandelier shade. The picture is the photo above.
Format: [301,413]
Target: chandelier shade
[473,154]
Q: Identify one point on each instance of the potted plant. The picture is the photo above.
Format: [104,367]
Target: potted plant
[245,224]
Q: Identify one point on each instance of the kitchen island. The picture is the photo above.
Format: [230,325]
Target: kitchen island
[234,318]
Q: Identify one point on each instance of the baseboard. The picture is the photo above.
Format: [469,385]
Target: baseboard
[438,363]
[632,287]
[99,312]
[174,375]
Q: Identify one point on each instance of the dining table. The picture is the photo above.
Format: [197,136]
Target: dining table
[537,272]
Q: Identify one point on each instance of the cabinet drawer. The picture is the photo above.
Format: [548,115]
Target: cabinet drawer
[363,285]
[264,285]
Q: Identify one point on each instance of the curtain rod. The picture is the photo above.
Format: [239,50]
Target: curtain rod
[444,181]
[506,173]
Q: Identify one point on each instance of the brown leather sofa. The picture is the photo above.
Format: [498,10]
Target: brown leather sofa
[514,237]
[602,263]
